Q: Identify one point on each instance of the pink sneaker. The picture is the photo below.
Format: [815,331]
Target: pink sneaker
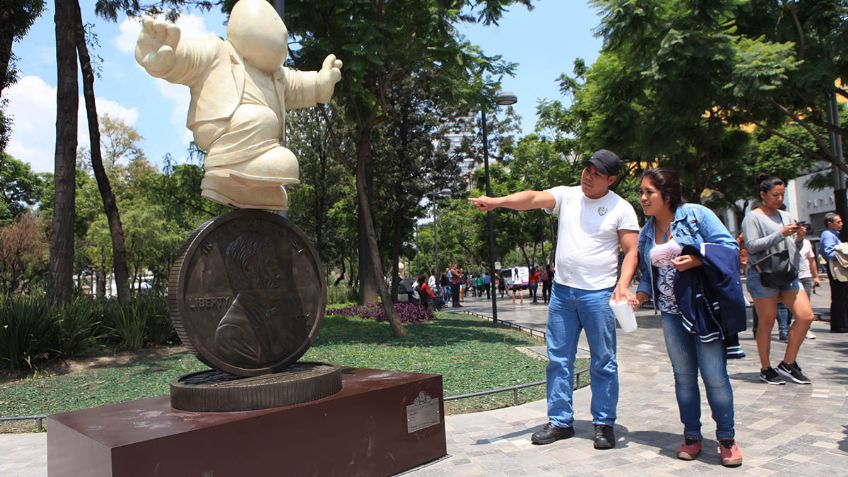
[731,456]
[690,449]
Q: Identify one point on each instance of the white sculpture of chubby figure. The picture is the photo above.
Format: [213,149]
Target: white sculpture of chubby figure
[240,91]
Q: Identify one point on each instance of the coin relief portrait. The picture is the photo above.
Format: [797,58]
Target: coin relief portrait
[251,293]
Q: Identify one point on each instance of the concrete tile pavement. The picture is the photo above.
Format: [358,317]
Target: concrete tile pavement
[782,430]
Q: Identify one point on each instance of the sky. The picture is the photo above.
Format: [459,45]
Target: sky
[544,42]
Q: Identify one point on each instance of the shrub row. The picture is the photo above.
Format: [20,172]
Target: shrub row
[31,333]
[340,294]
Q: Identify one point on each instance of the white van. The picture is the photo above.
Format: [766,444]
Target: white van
[515,276]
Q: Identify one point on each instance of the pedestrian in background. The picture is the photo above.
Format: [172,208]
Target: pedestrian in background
[547,277]
[533,283]
[770,234]
[838,289]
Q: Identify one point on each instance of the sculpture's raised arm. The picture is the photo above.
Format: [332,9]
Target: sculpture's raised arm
[156,48]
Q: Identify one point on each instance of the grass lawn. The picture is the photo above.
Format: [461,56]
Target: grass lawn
[470,353]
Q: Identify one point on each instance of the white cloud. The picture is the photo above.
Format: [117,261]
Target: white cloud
[125,41]
[191,27]
[180,96]
[32,105]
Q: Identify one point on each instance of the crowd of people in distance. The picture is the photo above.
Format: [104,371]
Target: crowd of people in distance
[455,284]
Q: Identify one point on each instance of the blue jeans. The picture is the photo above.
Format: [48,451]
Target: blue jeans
[572,310]
[688,356]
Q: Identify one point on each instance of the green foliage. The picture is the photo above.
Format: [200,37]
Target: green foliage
[111,9]
[127,323]
[394,51]
[131,376]
[340,295]
[27,332]
[684,73]
[31,334]
[78,328]
[471,355]
[20,188]
[158,327]
[783,157]
[18,16]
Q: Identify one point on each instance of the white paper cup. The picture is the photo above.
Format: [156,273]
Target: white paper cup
[624,314]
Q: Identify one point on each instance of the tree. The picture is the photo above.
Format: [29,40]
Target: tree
[19,186]
[60,277]
[23,249]
[110,207]
[70,39]
[382,43]
[411,166]
[809,63]
[319,137]
[762,64]
[16,16]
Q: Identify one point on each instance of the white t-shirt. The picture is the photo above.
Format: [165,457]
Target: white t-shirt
[587,239]
[804,264]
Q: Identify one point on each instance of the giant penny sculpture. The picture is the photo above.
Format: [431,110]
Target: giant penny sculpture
[247,296]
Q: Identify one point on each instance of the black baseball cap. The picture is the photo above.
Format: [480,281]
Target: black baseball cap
[606,162]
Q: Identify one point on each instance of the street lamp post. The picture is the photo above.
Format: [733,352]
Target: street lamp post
[502,99]
[442,193]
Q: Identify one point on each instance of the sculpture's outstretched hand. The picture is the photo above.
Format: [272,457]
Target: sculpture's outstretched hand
[330,74]
[156,44]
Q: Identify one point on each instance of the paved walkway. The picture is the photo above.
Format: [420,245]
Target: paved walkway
[782,430]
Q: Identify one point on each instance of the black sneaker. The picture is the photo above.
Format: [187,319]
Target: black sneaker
[604,437]
[551,433]
[793,372]
[770,376]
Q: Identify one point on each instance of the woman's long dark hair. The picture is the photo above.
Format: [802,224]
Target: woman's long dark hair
[668,183]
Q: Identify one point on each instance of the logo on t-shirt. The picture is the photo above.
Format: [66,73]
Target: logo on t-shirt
[602,211]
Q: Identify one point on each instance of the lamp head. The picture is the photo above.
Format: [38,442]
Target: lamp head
[505,98]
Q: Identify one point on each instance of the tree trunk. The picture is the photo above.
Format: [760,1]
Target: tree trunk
[320,213]
[60,277]
[396,243]
[101,280]
[368,286]
[110,207]
[6,40]
[398,212]
[370,250]
[524,254]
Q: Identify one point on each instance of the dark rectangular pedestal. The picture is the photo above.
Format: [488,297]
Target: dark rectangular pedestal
[378,424]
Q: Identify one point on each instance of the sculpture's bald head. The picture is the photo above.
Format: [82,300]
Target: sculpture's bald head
[258,34]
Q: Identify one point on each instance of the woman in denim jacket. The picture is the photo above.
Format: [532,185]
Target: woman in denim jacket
[673,224]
